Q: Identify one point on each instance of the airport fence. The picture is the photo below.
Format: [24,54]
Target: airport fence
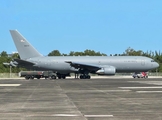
[9,75]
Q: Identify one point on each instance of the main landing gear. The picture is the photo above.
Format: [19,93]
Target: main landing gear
[85,76]
[61,76]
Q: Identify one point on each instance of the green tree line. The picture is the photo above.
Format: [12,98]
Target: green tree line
[72,53]
[156,55]
[5,58]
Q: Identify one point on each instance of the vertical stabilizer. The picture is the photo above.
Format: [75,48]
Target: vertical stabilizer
[24,48]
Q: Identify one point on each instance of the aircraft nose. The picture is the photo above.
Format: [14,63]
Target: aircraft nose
[156,65]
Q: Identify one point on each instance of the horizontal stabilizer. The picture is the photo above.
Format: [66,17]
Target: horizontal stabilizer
[11,63]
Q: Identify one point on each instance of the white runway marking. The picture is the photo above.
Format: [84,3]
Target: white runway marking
[98,115]
[65,115]
[73,115]
[148,82]
[9,85]
[116,90]
[141,87]
[149,91]
[53,115]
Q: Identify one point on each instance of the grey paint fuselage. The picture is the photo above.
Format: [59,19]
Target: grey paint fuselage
[121,63]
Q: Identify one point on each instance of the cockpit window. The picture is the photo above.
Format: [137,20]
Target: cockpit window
[152,61]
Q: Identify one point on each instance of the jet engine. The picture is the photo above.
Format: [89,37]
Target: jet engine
[108,70]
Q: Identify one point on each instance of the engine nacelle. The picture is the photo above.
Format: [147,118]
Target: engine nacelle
[109,70]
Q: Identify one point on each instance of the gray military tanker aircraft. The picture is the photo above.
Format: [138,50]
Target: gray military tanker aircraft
[80,65]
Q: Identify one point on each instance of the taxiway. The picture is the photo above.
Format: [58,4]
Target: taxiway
[70,99]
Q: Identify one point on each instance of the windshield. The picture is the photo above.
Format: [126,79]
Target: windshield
[152,61]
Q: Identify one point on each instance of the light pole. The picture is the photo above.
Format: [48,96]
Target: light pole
[10,70]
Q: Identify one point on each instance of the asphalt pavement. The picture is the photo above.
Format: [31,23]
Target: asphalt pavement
[79,99]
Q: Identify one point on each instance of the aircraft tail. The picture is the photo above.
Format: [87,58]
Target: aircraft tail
[24,48]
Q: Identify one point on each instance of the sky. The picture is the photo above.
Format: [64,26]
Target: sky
[107,26]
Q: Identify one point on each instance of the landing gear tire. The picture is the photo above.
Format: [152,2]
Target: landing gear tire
[63,77]
[85,77]
[88,77]
[81,76]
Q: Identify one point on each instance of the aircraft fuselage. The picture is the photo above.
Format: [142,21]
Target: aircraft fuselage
[121,63]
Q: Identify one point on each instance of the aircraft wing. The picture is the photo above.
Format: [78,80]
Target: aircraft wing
[24,63]
[89,67]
